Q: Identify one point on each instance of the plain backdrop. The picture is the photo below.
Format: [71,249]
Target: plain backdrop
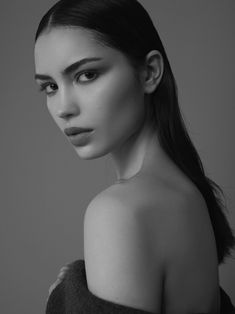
[45,187]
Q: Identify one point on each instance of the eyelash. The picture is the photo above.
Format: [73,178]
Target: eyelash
[44,86]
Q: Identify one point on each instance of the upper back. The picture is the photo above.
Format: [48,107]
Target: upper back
[161,206]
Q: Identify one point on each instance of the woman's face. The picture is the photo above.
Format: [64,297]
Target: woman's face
[102,95]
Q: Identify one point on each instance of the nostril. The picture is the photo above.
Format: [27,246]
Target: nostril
[68,112]
[65,114]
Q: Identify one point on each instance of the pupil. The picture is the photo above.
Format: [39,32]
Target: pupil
[89,74]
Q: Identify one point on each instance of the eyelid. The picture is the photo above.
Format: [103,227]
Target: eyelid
[43,86]
[78,74]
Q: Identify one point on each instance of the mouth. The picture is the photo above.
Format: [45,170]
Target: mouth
[80,138]
[75,130]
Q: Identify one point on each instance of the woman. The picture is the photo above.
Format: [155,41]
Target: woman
[154,239]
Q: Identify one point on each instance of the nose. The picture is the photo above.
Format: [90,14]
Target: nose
[68,105]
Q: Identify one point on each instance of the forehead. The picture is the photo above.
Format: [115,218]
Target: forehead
[62,46]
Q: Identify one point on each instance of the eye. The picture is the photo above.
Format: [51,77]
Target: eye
[89,74]
[44,87]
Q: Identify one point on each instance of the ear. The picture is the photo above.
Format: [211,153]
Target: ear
[153,71]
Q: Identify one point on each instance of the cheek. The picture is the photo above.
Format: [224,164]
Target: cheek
[119,106]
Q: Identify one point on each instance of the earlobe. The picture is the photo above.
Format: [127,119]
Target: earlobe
[153,71]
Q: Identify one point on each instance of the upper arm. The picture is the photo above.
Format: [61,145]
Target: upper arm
[191,282]
[121,266]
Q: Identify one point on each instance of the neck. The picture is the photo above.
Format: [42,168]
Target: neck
[139,152]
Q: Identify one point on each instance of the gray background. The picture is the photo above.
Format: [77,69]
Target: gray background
[45,187]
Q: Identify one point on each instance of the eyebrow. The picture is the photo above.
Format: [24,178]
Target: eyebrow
[72,67]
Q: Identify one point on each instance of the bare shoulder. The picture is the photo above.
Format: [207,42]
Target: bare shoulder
[161,206]
[178,244]
[121,265]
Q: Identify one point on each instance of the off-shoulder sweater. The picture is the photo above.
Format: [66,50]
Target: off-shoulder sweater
[72,296]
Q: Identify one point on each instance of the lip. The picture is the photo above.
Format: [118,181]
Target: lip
[75,130]
[81,138]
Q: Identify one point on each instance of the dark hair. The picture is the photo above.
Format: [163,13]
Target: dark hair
[126,26]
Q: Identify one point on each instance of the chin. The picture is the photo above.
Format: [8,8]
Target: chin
[87,153]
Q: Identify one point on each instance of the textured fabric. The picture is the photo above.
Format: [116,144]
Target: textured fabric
[72,296]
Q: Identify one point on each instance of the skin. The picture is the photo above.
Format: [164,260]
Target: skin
[112,101]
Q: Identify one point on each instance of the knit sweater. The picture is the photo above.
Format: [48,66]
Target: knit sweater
[72,296]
